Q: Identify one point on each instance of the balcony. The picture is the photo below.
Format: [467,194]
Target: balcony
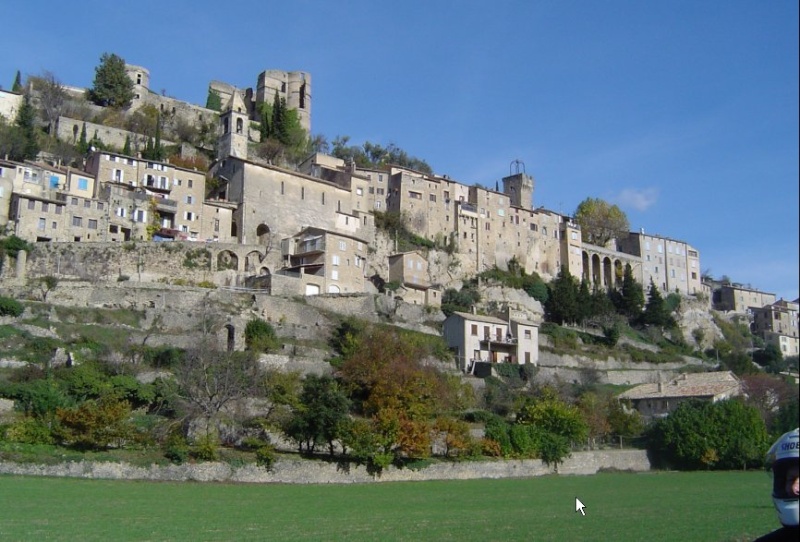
[154,183]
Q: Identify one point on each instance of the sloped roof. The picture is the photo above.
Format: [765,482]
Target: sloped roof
[236,103]
[688,385]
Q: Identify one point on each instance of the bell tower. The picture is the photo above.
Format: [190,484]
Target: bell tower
[234,127]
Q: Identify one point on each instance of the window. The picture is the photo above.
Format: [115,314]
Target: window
[77,221]
[359,191]
[501,212]
[414,195]
[474,330]
[100,206]
[189,200]
[121,212]
[74,201]
[117,175]
[188,215]
[92,224]
[140,215]
[191,183]
[342,245]
[45,206]
[59,209]
[83,184]
[660,249]
[574,235]
[31,205]
[87,203]
[335,274]
[282,188]
[380,191]
[54,225]
[433,198]
[42,224]
[527,333]
[335,259]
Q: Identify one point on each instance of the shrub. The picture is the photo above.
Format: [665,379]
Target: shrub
[265,457]
[29,431]
[10,307]
[206,449]
[176,449]
[259,336]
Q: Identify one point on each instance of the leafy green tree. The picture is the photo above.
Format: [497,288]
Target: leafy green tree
[562,304]
[111,87]
[459,300]
[214,100]
[46,284]
[96,424]
[584,303]
[600,222]
[323,408]
[699,434]
[259,336]
[17,85]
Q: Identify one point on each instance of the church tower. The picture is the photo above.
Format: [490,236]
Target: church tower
[234,128]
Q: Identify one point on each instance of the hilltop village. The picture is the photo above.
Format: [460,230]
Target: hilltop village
[308,229]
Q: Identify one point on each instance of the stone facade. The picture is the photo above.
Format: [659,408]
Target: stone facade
[478,339]
[9,104]
[777,325]
[740,298]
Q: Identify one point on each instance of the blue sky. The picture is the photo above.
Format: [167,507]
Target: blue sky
[684,113]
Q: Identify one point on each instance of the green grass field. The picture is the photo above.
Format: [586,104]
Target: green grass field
[713,506]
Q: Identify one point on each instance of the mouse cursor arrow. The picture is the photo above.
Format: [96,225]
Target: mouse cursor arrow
[579,506]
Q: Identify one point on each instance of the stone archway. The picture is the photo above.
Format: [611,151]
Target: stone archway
[227,260]
[264,235]
[231,338]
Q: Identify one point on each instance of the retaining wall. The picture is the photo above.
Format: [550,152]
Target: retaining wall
[297,471]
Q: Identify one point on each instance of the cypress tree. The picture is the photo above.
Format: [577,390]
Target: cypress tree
[158,150]
[17,86]
[631,297]
[26,124]
[264,130]
[83,144]
[126,149]
[656,312]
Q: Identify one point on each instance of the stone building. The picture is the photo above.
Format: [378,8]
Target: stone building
[658,399]
[273,203]
[674,266]
[144,192]
[50,203]
[325,261]
[9,104]
[409,271]
[777,325]
[739,298]
[293,87]
[480,341]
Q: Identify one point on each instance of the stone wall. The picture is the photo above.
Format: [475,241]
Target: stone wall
[297,471]
[69,130]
